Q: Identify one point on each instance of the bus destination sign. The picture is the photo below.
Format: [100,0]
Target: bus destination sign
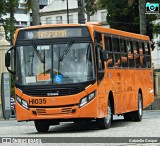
[46,34]
[51,33]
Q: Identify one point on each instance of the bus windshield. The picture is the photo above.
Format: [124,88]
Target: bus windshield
[54,63]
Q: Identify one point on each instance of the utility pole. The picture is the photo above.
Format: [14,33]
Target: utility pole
[35,12]
[67,13]
[12,24]
[81,18]
[142,16]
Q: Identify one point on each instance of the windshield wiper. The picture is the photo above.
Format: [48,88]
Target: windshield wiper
[41,58]
[66,50]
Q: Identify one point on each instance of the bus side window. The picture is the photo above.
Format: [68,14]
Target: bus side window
[116,52]
[147,54]
[124,56]
[141,52]
[108,47]
[98,38]
[100,64]
[136,53]
[130,53]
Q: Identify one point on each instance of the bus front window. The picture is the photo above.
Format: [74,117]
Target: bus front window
[55,64]
[31,65]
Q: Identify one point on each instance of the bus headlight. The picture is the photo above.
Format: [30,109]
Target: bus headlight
[22,102]
[83,101]
[87,99]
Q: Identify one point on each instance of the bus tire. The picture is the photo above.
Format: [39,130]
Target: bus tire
[128,116]
[137,115]
[105,123]
[41,126]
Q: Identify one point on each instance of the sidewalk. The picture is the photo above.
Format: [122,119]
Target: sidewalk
[155,105]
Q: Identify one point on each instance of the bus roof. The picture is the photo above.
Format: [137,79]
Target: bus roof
[92,27]
[120,33]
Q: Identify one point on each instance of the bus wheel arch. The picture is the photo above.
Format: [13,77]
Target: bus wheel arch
[105,122]
[111,100]
[137,115]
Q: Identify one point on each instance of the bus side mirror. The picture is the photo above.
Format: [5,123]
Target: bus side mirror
[104,55]
[7,59]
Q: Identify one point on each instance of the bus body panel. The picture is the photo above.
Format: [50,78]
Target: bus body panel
[126,88]
[102,96]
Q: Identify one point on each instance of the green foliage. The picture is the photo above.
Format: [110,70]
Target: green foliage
[124,15]
[120,15]
[2,8]
[156,28]
[12,4]
[8,28]
[28,5]
[90,7]
[10,7]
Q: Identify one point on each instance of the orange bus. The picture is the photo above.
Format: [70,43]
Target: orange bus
[74,72]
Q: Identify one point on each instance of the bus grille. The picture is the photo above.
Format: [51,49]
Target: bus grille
[54,111]
[41,111]
[53,92]
[66,110]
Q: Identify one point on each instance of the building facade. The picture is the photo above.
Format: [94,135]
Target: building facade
[56,13]
[21,15]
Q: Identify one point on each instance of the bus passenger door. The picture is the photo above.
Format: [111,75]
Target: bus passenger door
[102,97]
[118,76]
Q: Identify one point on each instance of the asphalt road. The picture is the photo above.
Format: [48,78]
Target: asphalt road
[148,127]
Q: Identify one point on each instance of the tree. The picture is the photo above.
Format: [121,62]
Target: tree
[120,15]
[124,15]
[90,8]
[28,3]
[35,12]
[2,8]
[10,7]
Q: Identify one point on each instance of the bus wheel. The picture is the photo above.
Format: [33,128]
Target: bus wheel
[137,115]
[105,123]
[41,126]
[128,116]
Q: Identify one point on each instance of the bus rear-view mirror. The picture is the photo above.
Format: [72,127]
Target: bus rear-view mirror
[104,55]
[7,59]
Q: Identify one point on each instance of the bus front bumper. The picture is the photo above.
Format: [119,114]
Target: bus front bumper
[90,110]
